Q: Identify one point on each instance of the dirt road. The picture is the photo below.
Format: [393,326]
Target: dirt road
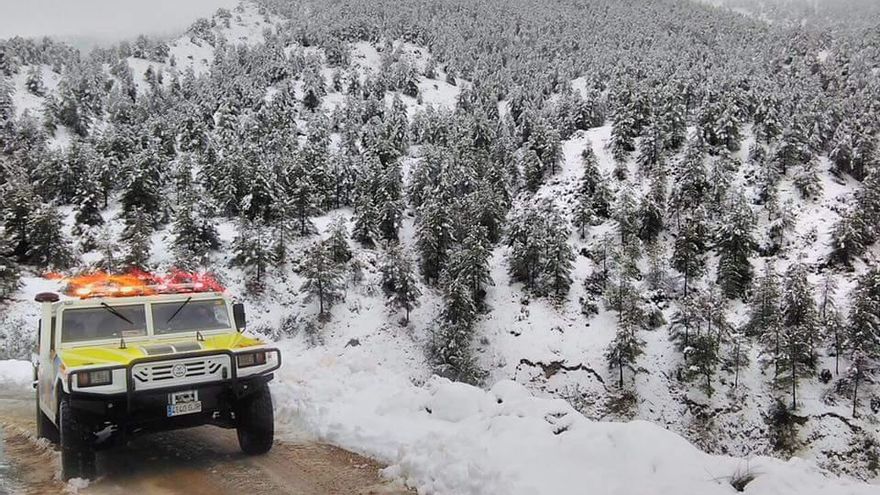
[200,461]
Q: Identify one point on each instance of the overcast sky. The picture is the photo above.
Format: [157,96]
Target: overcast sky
[90,22]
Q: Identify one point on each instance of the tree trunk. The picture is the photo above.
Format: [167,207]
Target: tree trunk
[856,391]
[793,363]
[736,366]
[620,365]
[836,352]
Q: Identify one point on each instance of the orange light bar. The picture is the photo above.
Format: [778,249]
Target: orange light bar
[139,283]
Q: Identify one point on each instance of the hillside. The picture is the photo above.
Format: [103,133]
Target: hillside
[578,235]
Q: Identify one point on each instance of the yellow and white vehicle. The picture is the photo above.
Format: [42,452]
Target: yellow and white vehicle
[113,364]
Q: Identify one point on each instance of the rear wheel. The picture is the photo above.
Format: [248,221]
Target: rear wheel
[77,455]
[256,422]
[45,428]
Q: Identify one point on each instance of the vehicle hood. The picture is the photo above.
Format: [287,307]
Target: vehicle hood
[112,355]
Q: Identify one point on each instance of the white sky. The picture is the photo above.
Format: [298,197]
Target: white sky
[91,22]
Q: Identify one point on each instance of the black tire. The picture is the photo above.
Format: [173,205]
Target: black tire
[77,455]
[256,422]
[45,428]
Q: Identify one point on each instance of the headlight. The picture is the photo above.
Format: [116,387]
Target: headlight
[94,378]
[251,359]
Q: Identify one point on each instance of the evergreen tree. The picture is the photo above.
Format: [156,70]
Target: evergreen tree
[138,238]
[800,323]
[399,280]
[830,317]
[144,187]
[688,250]
[451,346]
[626,215]
[20,204]
[194,234]
[434,237]
[10,276]
[623,297]
[735,244]
[337,241]
[765,319]
[540,256]
[593,197]
[88,202]
[323,277]
[469,263]
[652,209]
[863,331]
[252,252]
[47,245]
[34,81]
[109,250]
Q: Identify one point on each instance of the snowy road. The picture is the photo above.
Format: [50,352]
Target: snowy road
[195,462]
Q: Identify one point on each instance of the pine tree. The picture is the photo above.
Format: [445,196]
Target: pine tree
[652,210]
[34,81]
[560,259]
[540,256]
[688,250]
[7,110]
[434,237]
[469,263]
[323,277]
[313,88]
[806,179]
[703,357]
[800,322]
[626,215]
[650,149]
[451,346]
[623,297]
[691,183]
[735,243]
[10,276]
[252,252]
[109,250]
[302,195]
[765,319]
[138,238]
[20,203]
[47,245]
[830,317]
[399,280]
[194,234]
[863,331]
[337,241]
[144,187]
[593,197]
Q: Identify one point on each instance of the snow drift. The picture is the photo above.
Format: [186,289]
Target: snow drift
[443,437]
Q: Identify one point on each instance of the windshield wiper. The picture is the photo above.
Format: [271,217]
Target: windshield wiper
[188,299]
[116,313]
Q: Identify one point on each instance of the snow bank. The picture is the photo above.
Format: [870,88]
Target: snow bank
[16,375]
[449,438]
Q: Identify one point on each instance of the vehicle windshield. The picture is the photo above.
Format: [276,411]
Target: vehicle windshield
[103,322]
[190,316]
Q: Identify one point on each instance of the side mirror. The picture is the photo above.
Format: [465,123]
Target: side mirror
[240,318]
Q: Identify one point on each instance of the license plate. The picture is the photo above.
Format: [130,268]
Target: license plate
[180,403]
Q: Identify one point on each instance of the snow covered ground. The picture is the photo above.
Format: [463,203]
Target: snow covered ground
[361,380]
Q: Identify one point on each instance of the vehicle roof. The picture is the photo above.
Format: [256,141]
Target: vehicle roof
[68,301]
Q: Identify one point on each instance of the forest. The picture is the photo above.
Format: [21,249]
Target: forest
[733,209]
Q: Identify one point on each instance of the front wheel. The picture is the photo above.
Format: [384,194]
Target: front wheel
[256,422]
[77,455]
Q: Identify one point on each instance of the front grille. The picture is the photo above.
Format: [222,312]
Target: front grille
[173,372]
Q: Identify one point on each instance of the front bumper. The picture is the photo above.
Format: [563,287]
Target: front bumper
[138,410]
